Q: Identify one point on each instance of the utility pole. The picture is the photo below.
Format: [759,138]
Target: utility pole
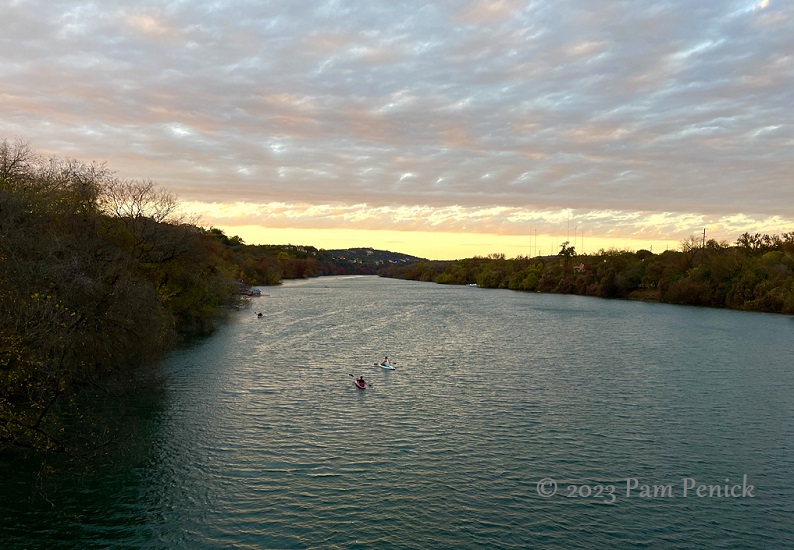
[704,238]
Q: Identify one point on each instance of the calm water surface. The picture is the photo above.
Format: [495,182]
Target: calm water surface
[260,440]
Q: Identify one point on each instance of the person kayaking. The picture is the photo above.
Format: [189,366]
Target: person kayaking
[385,362]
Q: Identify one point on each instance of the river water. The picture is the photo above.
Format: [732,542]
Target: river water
[513,420]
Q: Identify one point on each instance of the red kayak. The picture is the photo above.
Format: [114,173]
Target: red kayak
[360,384]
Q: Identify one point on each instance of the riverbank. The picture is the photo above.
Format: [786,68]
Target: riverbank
[753,277]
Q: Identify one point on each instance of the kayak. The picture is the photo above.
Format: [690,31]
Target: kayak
[360,384]
[387,366]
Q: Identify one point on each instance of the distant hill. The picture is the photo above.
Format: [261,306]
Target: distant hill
[267,264]
[369,260]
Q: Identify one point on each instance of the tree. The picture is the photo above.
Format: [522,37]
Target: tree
[132,200]
[96,278]
[750,243]
[567,252]
[16,162]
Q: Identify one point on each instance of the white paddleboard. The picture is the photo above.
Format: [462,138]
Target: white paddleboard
[387,367]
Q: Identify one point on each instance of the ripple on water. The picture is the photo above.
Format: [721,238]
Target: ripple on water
[263,442]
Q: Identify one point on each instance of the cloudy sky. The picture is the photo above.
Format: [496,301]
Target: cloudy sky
[441,129]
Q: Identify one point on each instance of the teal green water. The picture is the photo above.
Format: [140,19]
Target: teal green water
[260,440]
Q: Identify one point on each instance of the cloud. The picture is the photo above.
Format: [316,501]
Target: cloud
[643,117]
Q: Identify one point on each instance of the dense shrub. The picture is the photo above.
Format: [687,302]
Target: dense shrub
[756,274]
[98,277]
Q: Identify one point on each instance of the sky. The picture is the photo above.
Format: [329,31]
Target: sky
[439,129]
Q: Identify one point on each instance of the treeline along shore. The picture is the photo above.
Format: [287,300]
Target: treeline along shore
[100,276]
[756,273]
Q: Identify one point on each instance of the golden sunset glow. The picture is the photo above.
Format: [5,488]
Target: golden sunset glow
[437,245]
